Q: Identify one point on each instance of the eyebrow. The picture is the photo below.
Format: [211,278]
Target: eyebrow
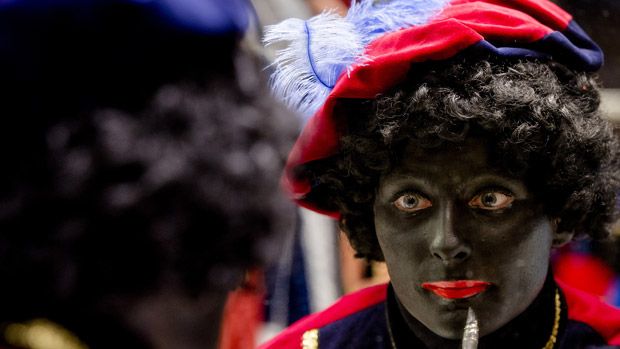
[517,186]
[421,181]
[401,181]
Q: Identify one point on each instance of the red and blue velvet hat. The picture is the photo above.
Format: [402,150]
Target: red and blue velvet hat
[372,48]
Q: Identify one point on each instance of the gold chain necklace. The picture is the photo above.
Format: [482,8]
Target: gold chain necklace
[556,321]
[554,331]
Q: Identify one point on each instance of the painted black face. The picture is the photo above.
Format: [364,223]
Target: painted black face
[457,232]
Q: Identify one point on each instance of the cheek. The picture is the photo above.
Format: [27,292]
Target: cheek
[531,252]
[522,242]
[404,246]
[399,244]
[519,263]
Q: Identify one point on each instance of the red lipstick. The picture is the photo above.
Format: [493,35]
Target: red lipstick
[456,289]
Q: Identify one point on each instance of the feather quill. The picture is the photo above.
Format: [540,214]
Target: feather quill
[318,51]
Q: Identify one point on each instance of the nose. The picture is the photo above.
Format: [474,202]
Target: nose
[446,244]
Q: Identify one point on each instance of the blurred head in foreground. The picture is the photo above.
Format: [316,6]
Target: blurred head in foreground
[140,163]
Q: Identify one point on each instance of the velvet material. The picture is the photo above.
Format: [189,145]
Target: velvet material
[363,330]
[207,17]
[104,52]
[589,309]
[344,307]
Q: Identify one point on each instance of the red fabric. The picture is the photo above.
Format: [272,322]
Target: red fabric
[584,272]
[545,12]
[589,309]
[582,307]
[462,24]
[243,314]
[498,23]
[347,305]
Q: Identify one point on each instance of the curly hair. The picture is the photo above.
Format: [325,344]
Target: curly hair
[112,202]
[541,120]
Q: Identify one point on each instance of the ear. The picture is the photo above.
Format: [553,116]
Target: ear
[560,238]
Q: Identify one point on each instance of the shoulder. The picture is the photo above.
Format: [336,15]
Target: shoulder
[590,310]
[364,329]
[344,312]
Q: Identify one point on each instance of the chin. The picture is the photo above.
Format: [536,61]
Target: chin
[449,325]
[449,332]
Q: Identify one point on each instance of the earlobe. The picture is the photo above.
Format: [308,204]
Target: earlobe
[560,238]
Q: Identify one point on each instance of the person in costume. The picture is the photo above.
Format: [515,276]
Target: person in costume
[460,142]
[140,158]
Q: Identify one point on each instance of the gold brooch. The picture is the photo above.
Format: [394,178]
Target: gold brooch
[310,339]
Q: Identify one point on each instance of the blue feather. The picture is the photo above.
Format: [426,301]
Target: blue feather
[374,19]
[326,46]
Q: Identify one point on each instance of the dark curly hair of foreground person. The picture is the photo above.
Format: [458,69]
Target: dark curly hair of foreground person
[541,120]
[108,205]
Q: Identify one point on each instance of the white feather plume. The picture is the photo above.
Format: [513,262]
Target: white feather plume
[318,51]
[372,18]
[322,48]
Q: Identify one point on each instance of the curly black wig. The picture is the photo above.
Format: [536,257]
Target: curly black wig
[541,119]
[114,189]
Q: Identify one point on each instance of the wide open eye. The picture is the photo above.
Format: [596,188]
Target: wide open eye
[412,202]
[491,200]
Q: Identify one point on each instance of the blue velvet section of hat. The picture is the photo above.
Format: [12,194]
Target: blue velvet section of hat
[210,17]
[572,47]
[113,53]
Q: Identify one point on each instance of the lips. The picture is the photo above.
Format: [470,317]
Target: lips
[457,289]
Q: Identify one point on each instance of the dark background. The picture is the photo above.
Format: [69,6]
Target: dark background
[600,19]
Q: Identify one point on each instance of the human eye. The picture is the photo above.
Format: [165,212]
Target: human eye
[412,202]
[492,199]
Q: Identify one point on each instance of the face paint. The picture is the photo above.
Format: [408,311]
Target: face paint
[457,232]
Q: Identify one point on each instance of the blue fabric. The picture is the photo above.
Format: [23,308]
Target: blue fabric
[365,329]
[572,48]
[614,294]
[113,53]
[298,300]
[212,17]
[590,51]
[287,298]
